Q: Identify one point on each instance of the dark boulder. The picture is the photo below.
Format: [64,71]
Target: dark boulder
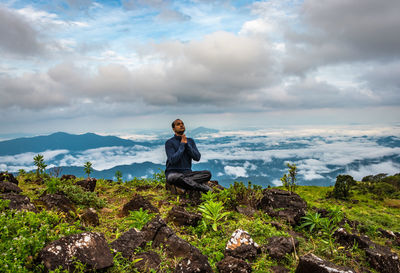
[181,217]
[160,234]
[379,257]
[128,242]
[68,177]
[57,201]
[194,263]
[279,246]
[233,265]
[136,203]
[6,187]
[90,249]
[383,260]
[241,246]
[283,204]
[9,177]
[19,202]
[88,184]
[311,263]
[148,261]
[90,218]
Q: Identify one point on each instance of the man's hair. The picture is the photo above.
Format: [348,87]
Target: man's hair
[173,123]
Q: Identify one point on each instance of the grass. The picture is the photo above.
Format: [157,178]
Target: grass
[371,212]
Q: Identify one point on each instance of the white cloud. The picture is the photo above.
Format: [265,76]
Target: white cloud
[235,171]
[387,167]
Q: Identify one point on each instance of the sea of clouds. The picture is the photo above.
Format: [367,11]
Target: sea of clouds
[316,152]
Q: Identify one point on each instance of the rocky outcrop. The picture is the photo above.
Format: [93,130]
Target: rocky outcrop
[19,202]
[9,177]
[90,249]
[181,217]
[279,246]
[241,246]
[283,204]
[311,263]
[233,265]
[90,218]
[128,242]
[379,257]
[57,201]
[160,234]
[6,187]
[383,260]
[147,261]
[88,184]
[136,203]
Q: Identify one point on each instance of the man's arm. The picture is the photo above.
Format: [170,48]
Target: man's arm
[192,149]
[172,155]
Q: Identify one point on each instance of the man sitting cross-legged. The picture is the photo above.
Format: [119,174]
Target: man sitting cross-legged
[180,152]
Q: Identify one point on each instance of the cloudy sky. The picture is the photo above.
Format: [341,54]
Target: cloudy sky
[127,65]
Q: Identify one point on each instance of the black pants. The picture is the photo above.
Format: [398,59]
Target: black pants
[190,180]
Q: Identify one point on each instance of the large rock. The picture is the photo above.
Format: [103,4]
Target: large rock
[90,218]
[279,246]
[233,265]
[9,177]
[241,246]
[90,249]
[181,217]
[311,263]
[348,239]
[379,257]
[160,234]
[136,203]
[19,202]
[128,242]
[148,261]
[383,260]
[57,201]
[195,263]
[88,184]
[6,187]
[283,204]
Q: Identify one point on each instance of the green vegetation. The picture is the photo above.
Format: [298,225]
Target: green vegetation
[38,160]
[23,234]
[289,180]
[88,168]
[118,175]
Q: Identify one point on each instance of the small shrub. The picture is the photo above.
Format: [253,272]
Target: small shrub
[289,180]
[139,218]
[81,197]
[212,213]
[239,194]
[342,186]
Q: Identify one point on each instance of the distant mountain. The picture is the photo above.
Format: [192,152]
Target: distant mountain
[61,140]
[202,130]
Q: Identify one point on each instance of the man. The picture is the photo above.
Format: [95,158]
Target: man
[180,152]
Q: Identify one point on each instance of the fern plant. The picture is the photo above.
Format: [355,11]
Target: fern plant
[212,211]
[139,218]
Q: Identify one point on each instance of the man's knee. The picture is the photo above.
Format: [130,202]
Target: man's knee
[207,174]
[173,178]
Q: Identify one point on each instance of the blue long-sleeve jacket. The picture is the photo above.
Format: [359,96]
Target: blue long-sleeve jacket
[180,155]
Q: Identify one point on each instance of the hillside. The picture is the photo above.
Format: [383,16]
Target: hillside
[183,232]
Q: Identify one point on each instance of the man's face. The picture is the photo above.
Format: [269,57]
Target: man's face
[179,128]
